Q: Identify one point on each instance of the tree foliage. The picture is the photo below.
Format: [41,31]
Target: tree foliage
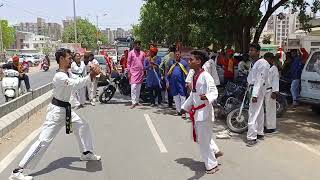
[222,22]
[8,34]
[86,34]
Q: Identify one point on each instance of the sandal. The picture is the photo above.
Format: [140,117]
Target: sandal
[213,170]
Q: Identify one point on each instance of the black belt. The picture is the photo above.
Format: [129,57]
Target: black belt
[67,106]
[251,85]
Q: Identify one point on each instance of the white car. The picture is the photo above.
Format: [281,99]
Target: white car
[113,54]
[310,82]
[33,60]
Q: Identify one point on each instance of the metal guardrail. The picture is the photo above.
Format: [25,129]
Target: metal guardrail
[24,99]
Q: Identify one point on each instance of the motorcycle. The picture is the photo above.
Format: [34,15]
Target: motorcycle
[238,113]
[10,85]
[45,65]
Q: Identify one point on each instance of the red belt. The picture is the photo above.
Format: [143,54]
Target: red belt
[192,113]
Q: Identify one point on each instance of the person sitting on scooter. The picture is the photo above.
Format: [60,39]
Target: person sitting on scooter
[15,65]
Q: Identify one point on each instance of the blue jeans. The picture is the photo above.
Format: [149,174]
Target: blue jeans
[295,84]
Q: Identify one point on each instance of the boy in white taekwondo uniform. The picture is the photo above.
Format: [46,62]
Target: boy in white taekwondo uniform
[257,78]
[199,106]
[59,114]
[210,67]
[78,68]
[272,86]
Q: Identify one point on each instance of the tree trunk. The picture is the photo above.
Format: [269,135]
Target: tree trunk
[245,39]
[265,18]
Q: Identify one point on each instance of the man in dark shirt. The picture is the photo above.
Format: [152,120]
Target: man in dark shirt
[15,65]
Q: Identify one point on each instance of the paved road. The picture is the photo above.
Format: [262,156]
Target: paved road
[129,150]
[37,79]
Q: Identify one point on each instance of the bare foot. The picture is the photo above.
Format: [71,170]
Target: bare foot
[133,106]
[213,170]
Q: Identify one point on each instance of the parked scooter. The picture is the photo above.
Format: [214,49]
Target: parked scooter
[10,85]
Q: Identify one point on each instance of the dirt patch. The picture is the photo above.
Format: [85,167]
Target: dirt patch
[15,136]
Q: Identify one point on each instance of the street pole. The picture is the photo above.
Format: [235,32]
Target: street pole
[1,38]
[75,21]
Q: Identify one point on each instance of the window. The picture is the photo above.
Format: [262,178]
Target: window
[311,64]
[315,43]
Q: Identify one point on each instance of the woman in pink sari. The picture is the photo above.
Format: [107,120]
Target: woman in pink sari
[136,72]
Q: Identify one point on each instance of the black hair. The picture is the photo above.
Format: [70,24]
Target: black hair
[256,46]
[62,52]
[268,55]
[202,55]
[172,49]
[245,57]
[136,42]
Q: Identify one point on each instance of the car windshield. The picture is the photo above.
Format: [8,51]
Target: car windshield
[101,60]
[313,62]
[111,52]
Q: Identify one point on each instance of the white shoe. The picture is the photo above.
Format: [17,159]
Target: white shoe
[90,157]
[93,103]
[19,176]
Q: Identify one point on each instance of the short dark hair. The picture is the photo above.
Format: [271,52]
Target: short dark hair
[62,52]
[202,55]
[136,42]
[268,55]
[172,49]
[256,46]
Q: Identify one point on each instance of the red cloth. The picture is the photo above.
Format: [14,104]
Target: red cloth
[228,66]
[123,62]
[305,55]
[192,114]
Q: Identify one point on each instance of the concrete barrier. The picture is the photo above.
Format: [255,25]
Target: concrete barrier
[18,115]
[24,99]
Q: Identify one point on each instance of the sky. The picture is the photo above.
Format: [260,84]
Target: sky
[120,13]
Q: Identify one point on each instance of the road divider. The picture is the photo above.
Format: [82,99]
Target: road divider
[22,108]
[24,99]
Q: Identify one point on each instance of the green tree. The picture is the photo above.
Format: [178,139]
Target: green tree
[221,22]
[86,34]
[266,39]
[8,34]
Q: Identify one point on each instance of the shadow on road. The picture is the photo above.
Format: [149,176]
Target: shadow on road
[66,162]
[301,125]
[195,166]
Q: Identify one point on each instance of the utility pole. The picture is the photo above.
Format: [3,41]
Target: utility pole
[75,21]
[1,37]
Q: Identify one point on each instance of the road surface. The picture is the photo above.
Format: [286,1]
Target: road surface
[37,78]
[151,144]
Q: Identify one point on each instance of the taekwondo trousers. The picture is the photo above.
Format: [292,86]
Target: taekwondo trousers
[256,118]
[179,101]
[55,120]
[78,97]
[271,111]
[135,93]
[92,87]
[206,143]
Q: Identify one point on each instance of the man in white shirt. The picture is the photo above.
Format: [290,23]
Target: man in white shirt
[78,68]
[257,78]
[59,114]
[94,85]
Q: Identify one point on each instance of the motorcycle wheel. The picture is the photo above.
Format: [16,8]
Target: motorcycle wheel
[107,94]
[9,99]
[238,125]
[281,106]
